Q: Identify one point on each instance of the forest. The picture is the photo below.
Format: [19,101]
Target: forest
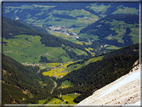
[18,79]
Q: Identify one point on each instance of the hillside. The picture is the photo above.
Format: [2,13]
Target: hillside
[101,72]
[25,44]
[112,32]
[21,84]
[123,91]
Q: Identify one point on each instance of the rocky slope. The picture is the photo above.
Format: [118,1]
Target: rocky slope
[123,91]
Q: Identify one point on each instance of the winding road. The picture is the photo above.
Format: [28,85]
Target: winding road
[55,85]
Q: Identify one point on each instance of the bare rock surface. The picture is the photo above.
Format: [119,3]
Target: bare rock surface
[123,91]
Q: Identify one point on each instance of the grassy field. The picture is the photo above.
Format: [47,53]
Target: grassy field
[52,65]
[98,8]
[88,37]
[113,47]
[42,101]
[55,101]
[89,50]
[126,10]
[50,73]
[96,59]
[66,99]
[59,70]
[135,35]
[20,49]
[79,52]
[69,98]
[66,84]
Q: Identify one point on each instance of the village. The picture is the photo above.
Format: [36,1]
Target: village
[64,30]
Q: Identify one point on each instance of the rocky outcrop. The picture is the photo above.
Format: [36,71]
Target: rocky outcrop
[123,91]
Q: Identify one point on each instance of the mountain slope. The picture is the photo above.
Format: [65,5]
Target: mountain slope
[97,74]
[101,72]
[123,91]
[21,84]
[112,30]
[25,44]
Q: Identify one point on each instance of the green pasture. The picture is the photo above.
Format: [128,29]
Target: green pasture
[135,35]
[28,48]
[66,84]
[55,101]
[126,10]
[42,101]
[113,47]
[50,73]
[98,8]
[69,98]
[74,67]
[52,65]
[79,52]
[58,69]
[88,37]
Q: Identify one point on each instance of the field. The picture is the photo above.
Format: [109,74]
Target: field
[96,59]
[112,47]
[126,10]
[50,73]
[69,98]
[58,70]
[42,101]
[66,99]
[80,52]
[66,84]
[55,101]
[52,65]
[20,49]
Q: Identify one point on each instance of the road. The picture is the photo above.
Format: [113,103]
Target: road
[55,85]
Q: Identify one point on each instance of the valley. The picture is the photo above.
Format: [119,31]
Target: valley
[60,53]
[68,22]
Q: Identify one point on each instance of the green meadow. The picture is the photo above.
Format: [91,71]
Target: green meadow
[65,99]
[66,84]
[28,48]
